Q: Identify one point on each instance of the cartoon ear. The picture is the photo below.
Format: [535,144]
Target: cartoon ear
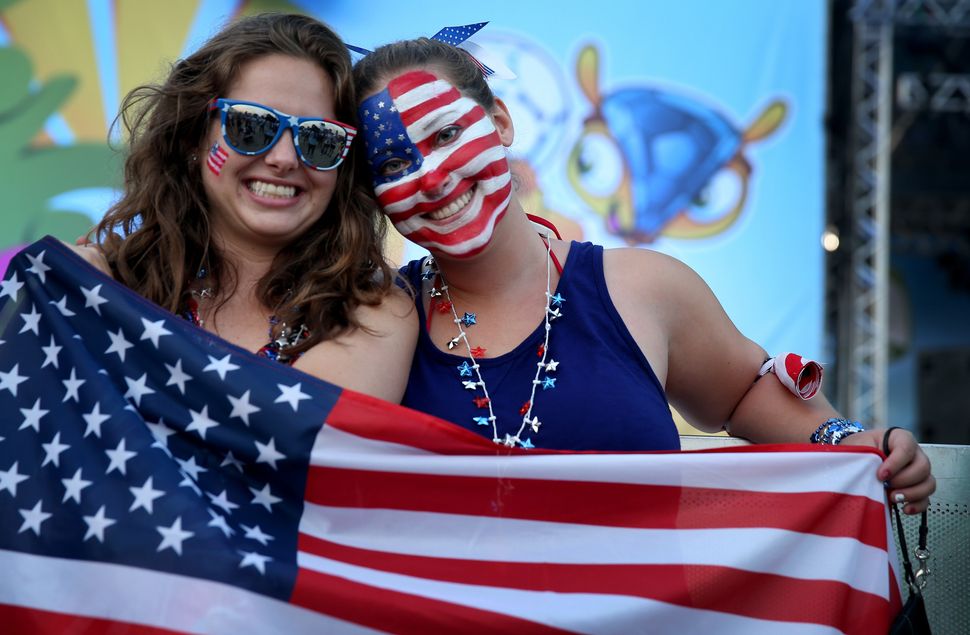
[587,72]
[767,122]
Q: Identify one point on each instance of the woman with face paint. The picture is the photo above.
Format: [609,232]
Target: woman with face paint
[534,342]
[244,213]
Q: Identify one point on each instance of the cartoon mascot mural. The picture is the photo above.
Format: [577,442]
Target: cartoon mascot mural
[652,162]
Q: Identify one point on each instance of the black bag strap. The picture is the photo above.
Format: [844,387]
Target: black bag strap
[911,578]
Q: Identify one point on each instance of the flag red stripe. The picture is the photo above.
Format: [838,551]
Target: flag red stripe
[19,620]
[476,226]
[470,118]
[373,418]
[408,82]
[767,596]
[428,106]
[603,504]
[399,612]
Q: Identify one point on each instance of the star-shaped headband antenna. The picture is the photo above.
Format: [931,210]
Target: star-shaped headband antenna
[458,36]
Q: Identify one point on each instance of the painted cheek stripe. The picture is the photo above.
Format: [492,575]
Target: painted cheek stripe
[466,121]
[216,159]
[410,208]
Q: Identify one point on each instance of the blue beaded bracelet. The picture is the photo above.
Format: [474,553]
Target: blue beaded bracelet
[832,431]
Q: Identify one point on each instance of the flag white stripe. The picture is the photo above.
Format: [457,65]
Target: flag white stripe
[805,556]
[836,472]
[153,598]
[581,612]
[420,94]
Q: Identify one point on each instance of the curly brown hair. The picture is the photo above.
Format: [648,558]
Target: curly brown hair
[163,217]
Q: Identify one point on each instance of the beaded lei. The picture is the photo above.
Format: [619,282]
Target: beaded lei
[275,349]
[466,370]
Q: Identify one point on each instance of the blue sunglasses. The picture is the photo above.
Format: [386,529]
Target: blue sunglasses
[252,129]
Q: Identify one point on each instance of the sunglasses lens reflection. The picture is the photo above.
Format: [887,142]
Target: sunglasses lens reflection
[251,129]
[322,143]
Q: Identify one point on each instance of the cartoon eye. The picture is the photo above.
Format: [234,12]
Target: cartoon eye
[392,167]
[447,134]
[600,164]
[718,197]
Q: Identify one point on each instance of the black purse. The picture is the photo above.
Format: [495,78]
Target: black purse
[912,620]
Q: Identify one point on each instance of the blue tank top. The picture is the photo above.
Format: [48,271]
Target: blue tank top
[606,396]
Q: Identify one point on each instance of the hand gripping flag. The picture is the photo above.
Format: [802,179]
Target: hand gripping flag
[155,479]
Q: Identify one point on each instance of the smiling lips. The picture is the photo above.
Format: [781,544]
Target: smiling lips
[271,190]
[451,208]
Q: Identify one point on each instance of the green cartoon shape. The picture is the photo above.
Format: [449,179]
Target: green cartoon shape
[34,174]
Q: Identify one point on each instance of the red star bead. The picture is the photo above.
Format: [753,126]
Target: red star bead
[540,352]
[481,402]
[478,352]
[525,408]
[444,307]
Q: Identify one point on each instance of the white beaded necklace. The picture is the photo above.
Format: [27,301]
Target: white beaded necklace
[467,370]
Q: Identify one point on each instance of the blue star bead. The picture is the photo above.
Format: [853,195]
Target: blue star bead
[557,299]
[468,319]
[527,444]
[480,421]
[548,382]
[464,370]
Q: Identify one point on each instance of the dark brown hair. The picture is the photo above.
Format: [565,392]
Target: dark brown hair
[455,63]
[318,279]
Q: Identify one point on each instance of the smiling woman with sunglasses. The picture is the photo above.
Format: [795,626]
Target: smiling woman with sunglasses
[243,210]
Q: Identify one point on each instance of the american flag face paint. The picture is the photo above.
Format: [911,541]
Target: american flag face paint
[217,158]
[439,167]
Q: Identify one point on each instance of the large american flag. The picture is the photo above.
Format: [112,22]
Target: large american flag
[155,479]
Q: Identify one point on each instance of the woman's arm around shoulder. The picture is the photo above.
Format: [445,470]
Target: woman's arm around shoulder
[376,360]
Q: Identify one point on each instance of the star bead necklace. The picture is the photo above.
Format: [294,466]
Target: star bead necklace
[553,311]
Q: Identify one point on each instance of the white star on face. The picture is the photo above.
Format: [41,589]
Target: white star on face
[201,421]
[291,395]
[53,451]
[255,533]
[61,306]
[241,407]
[154,330]
[137,389]
[50,353]
[174,536]
[71,385]
[145,496]
[221,366]
[94,419]
[219,522]
[38,267]
[268,453]
[73,487]
[176,376]
[33,518]
[190,467]
[222,502]
[32,416]
[161,433]
[93,299]
[10,381]
[9,479]
[264,497]
[119,457]
[118,344]
[231,460]
[31,322]
[97,524]
[252,559]
[10,287]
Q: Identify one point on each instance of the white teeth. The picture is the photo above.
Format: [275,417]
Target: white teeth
[259,188]
[452,208]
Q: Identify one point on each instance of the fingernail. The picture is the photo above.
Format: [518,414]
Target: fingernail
[899,498]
